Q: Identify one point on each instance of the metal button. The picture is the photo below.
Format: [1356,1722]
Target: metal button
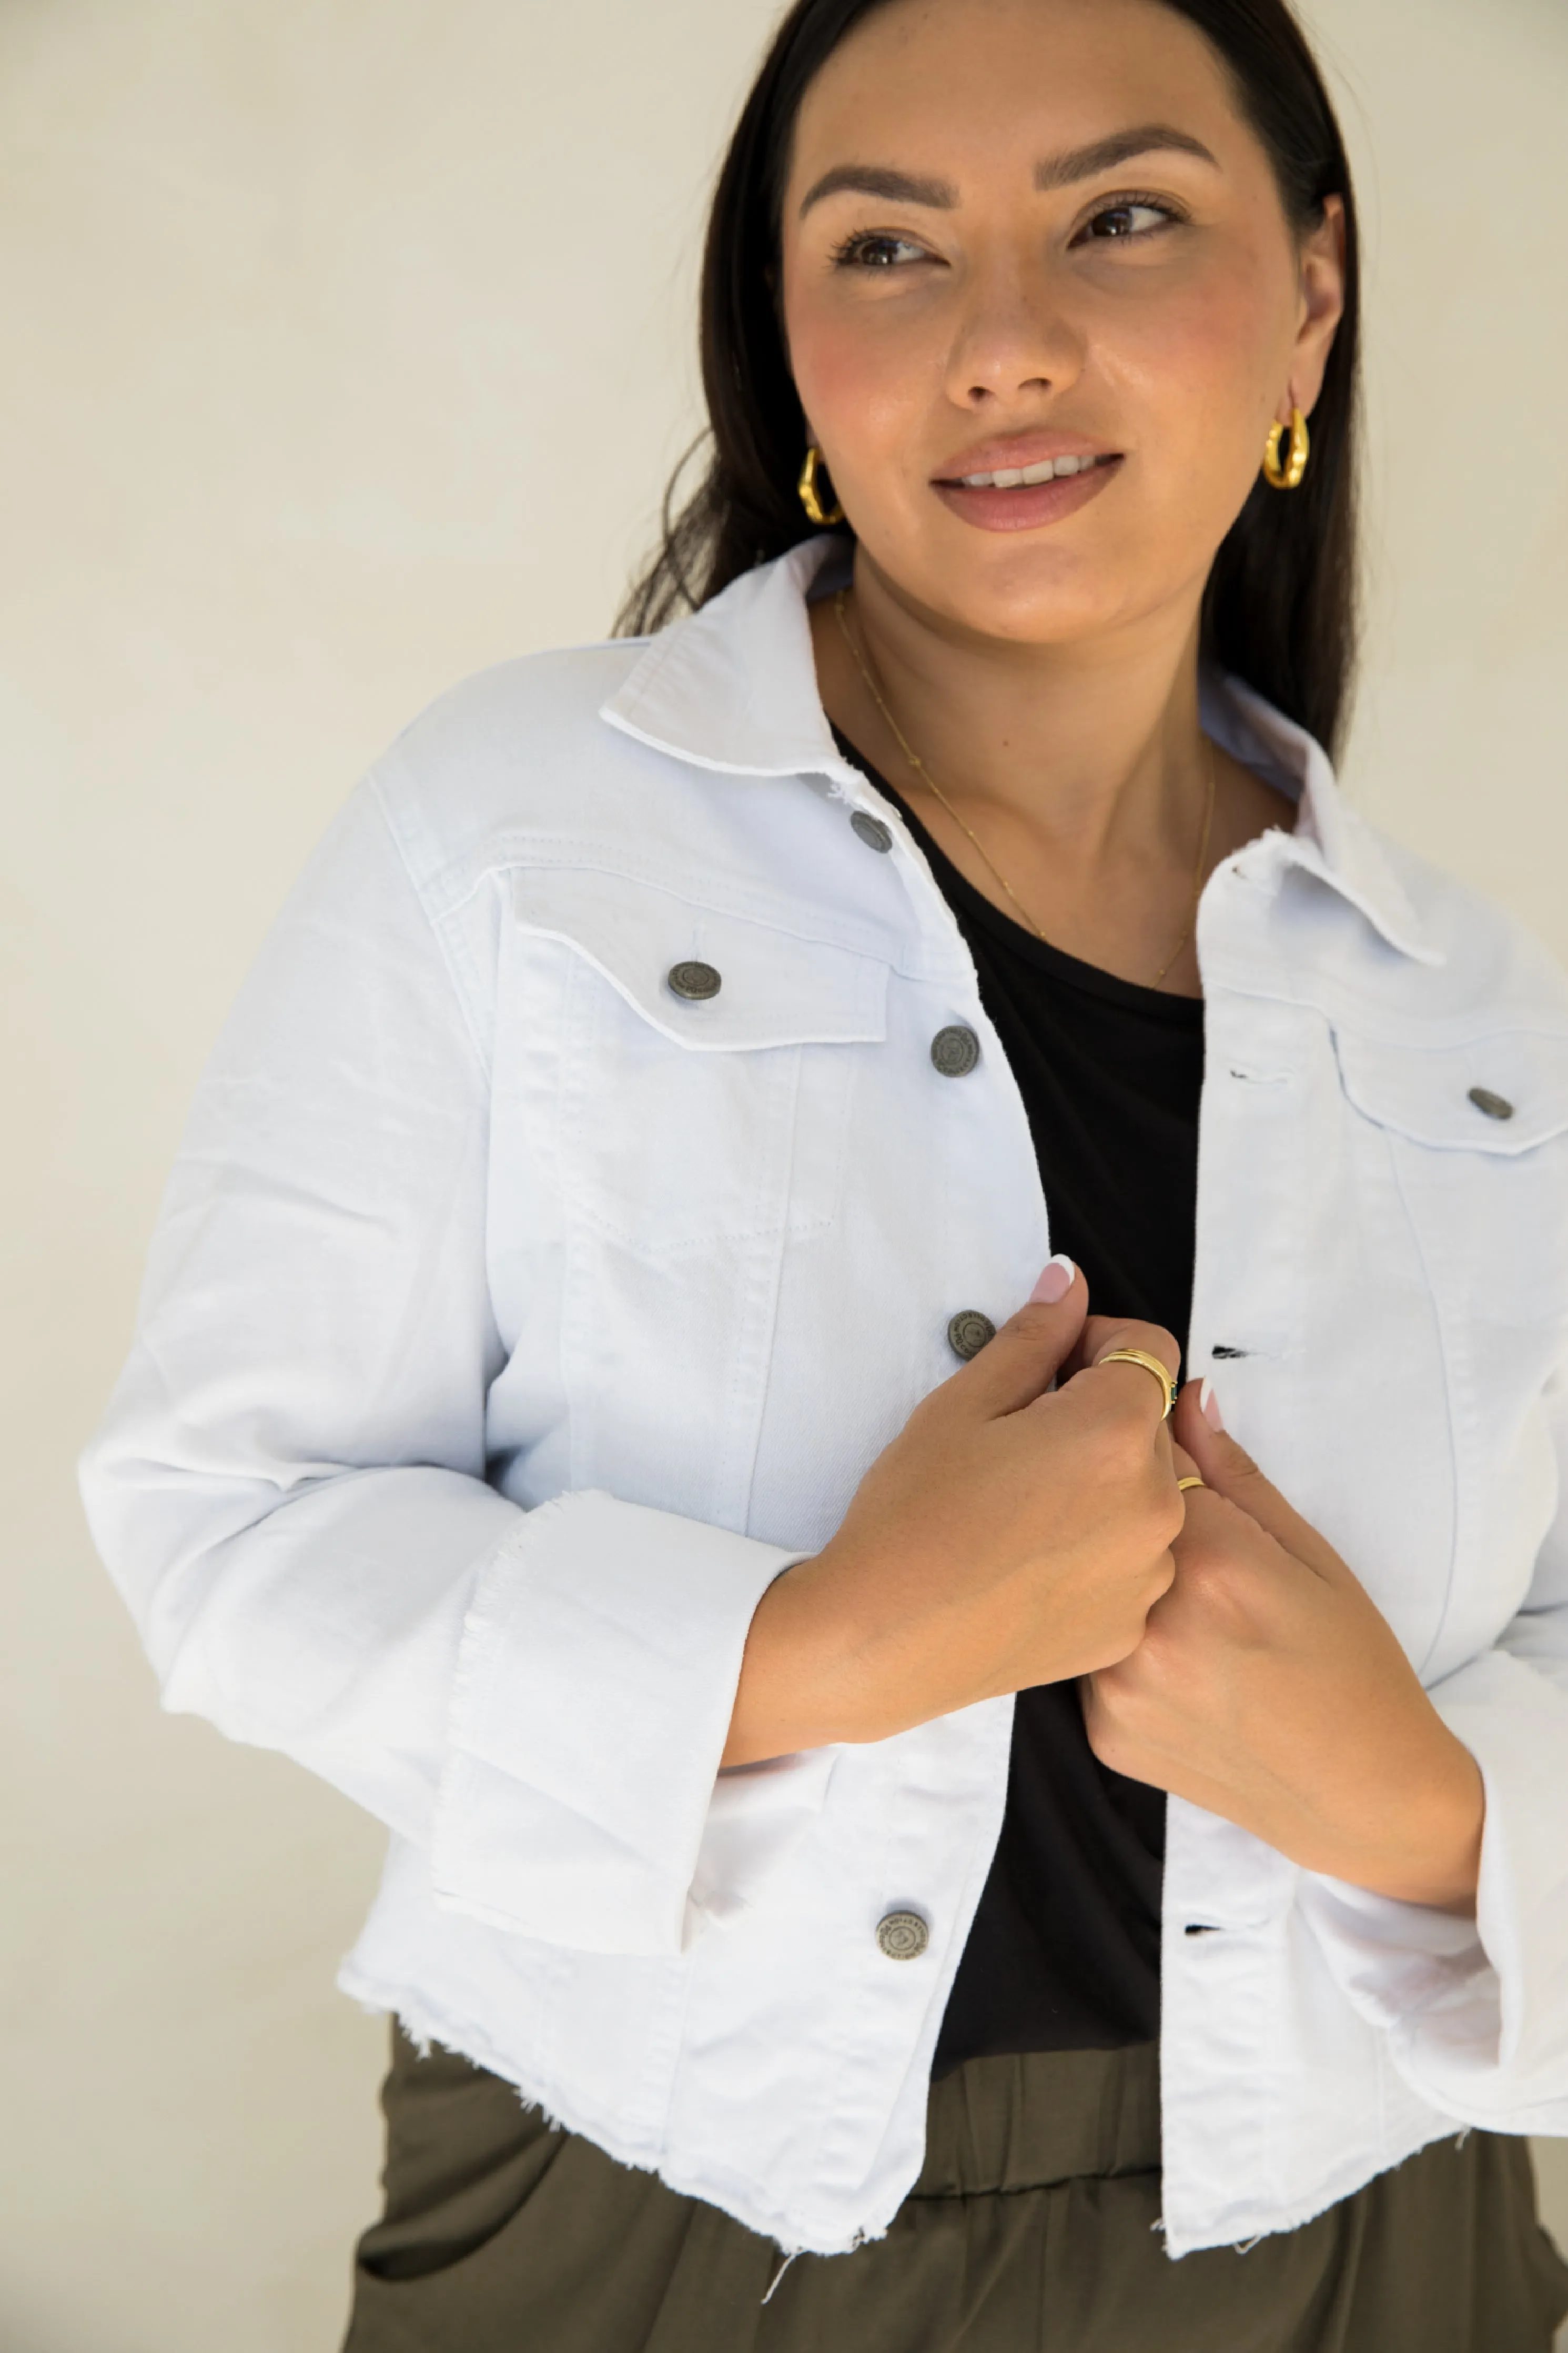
[694,980]
[870,830]
[956,1051]
[1494,1107]
[903,1936]
[969,1332]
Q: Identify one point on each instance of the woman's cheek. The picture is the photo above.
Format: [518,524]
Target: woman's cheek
[1198,381]
[851,367]
[863,386]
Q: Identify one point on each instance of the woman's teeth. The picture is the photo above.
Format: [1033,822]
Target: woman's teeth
[1050,470]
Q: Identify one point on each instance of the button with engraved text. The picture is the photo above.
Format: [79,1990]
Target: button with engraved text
[903,1936]
[956,1051]
[1494,1107]
[969,1332]
[870,830]
[694,980]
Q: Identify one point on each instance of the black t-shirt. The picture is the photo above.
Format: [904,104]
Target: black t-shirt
[1064,1954]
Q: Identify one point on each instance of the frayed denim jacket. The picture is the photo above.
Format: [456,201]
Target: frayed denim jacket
[514,1319]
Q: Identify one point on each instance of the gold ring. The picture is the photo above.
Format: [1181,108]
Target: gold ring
[1168,1388]
[1183,1485]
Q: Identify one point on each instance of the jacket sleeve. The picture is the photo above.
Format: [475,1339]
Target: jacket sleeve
[289,1485]
[1477,2012]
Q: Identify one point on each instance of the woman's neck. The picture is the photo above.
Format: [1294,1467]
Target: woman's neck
[1081,772]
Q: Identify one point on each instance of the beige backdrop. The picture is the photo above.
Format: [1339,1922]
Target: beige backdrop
[346,349]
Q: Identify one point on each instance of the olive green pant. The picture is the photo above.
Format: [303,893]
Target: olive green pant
[1032,2229]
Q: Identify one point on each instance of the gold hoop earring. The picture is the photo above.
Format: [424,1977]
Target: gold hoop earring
[811,497]
[1293,472]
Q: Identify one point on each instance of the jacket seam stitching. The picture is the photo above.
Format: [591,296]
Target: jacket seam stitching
[438,930]
[1445,1357]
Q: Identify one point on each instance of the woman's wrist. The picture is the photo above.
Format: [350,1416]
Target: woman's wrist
[796,1690]
[1434,1859]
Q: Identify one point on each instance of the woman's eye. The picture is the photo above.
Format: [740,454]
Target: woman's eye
[1128,219]
[868,252]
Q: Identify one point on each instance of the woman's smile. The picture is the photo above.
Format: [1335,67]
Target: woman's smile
[1026,497]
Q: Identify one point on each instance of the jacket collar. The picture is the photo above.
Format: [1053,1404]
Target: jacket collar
[1330,840]
[734,686]
[733,689]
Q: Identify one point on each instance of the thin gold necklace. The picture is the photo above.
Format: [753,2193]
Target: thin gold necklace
[863,665]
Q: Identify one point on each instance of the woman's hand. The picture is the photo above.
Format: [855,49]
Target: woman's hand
[1270,1690]
[1010,1535]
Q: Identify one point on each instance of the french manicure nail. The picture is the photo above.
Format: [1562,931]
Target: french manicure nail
[1055,1283]
[1208,1405]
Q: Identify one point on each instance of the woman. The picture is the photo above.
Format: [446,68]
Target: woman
[599,1404]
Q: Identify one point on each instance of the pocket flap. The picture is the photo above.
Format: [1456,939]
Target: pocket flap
[1504,1092]
[775,988]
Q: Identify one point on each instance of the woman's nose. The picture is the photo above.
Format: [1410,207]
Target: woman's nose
[1015,336]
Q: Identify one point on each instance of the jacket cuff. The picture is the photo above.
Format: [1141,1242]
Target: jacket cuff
[1477,2010]
[581,1802]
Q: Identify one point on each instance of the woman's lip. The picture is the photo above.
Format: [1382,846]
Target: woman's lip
[1031,504]
[993,457]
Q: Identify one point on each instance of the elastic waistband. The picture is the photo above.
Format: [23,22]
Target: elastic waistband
[1041,2116]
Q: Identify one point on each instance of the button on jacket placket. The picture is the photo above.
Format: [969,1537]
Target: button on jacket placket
[982,1131]
[955,1051]
[938,925]
[871,831]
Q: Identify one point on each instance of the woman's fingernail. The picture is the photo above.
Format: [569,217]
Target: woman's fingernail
[1208,1405]
[1055,1283]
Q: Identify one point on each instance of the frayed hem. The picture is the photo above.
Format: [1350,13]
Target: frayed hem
[422,2025]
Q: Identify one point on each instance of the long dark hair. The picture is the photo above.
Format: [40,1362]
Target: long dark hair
[1280,605]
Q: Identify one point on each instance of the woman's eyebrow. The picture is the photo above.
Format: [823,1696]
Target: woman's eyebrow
[1121,147]
[1056,172]
[880,180]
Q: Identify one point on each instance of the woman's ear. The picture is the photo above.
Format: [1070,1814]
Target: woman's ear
[1322,263]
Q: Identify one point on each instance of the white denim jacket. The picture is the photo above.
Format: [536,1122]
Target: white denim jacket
[513,1321]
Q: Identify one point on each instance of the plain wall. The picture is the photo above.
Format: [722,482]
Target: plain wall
[346,351]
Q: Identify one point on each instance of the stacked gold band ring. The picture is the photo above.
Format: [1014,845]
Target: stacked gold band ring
[1168,1388]
[1183,1485]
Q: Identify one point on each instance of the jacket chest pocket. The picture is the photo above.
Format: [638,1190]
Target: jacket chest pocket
[692,1067]
[1477,1144]
[1474,1138]
[1459,1166]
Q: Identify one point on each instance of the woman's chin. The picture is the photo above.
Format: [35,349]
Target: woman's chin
[1016,590]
